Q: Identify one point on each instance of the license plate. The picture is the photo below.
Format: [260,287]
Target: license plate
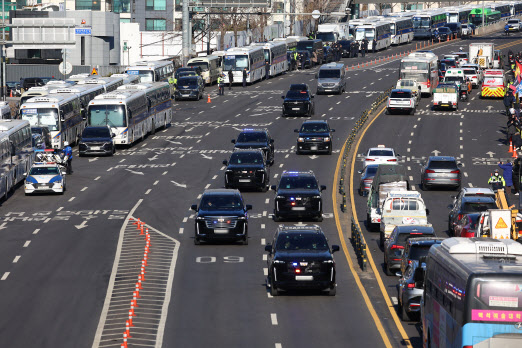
[444,104]
[220,230]
[244,180]
[298,208]
[313,148]
[296,108]
[304,278]
[95,148]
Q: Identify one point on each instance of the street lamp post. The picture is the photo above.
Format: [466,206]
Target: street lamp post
[483,13]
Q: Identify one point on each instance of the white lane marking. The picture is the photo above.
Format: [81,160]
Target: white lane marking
[338,102]
[262,226]
[418,119]
[199,196]
[183,155]
[123,160]
[223,168]
[267,200]
[185,219]
[281,165]
[409,142]
[323,115]
[465,174]
[409,168]
[181,229]
[265,271]
[293,147]
[411,134]
[461,138]
[199,140]
[83,189]
[16,259]
[461,131]
[148,191]
[470,184]
[206,134]
[287,155]
[264,212]
[26,244]
[461,147]
[47,220]
[214,177]
[263,241]
[265,257]
[408,149]
[5,275]
[71,199]
[273,318]
[59,209]
[155,182]
[36,231]
[394,300]
[165,172]
[206,187]
[278,345]
[97,178]
[411,177]
[460,124]
[414,126]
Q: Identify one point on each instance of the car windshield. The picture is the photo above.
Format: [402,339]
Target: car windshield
[44,171]
[400,94]
[444,30]
[314,127]
[329,74]
[371,170]
[90,132]
[202,65]
[145,75]
[292,182]
[418,251]
[297,94]
[246,158]
[184,81]
[448,62]
[187,74]
[477,207]
[345,44]
[237,63]
[443,165]
[220,202]
[469,71]
[47,117]
[301,241]
[512,21]
[453,78]
[298,87]
[330,37]
[403,237]
[251,137]
[380,153]
[106,115]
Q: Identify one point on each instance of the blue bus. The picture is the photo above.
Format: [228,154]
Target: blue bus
[425,23]
[473,294]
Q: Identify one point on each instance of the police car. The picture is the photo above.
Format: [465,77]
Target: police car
[45,177]
[380,154]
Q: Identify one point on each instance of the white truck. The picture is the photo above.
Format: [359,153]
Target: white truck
[482,54]
[334,32]
[402,208]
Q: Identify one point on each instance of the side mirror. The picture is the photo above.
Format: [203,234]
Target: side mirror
[225,162]
[427,212]
[194,207]
[398,274]
[113,135]
[459,164]
[323,187]
[64,173]
[233,141]
[454,197]
[335,248]
[398,155]
[296,130]
[249,207]
[332,130]
[273,188]
[312,96]
[359,171]
[268,248]
[282,97]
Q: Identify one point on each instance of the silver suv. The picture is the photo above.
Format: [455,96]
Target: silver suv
[410,290]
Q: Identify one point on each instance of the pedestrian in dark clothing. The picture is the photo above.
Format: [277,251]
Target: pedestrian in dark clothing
[364,47]
[508,101]
[516,175]
[267,70]
[374,46]
[245,74]
[303,60]
[507,174]
[230,79]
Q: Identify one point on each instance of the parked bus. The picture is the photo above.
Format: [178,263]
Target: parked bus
[503,8]
[422,67]
[210,68]
[378,35]
[5,111]
[275,55]
[516,8]
[291,43]
[42,91]
[132,111]
[473,294]
[60,113]
[128,79]
[458,15]
[85,93]
[238,58]
[109,84]
[16,153]
[401,29]
[475,16]
[425,23]
[155,71]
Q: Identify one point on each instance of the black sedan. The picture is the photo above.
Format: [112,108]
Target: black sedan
[247,169]
[301,259]
[298,103]
[189,87]
[444,33]
[256,138]
[314,136]
[96,141]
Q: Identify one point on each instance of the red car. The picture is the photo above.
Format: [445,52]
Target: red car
[467,225]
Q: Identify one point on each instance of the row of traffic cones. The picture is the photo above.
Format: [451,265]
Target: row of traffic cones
[381,60]
[511,149]
[141,278]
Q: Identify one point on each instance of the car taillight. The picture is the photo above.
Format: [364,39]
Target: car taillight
[368,180]
[415,233]
[392,160]
[411,285]
[429,171]
[429,83]
[409,262]
[370,159]
[455,172]
[459,216]
[396,247]
[474,77]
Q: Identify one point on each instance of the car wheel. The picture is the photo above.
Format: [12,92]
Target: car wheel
[273,289]
[245,240]
[332,291]
[319,218]
[387,269]
[402,312]
[424,187]
[330,151]
[277,218]
[196,241]
[297,152]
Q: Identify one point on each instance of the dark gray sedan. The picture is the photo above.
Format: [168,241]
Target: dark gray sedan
[367,175]
[441,171]
[410,290]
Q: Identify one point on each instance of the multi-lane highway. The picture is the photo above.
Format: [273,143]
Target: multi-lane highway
[69,264]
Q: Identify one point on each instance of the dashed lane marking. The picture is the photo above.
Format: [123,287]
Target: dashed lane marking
[264,212]
[287,155]
[122,160]
[411,134]
[16,259]
[411,178]
[466,174]
[26,244]
[281,165]
[148,191]
[36,231]
[97,178]
[214,177]
[265,257]
[278,345]
[273,318]
[206,187]
[185,219]
[155,182]
[71,199]
[83,189]
[415,126]
[394,300]
[470,184]
[262,226]
[164,173]
[5,275]
[199,196]
[267,200]
[223,168]
[47,220]
[59,209]
[181,229]
[276,175]
[263,241]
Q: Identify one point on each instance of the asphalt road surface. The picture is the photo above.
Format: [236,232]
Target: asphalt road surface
[68,264]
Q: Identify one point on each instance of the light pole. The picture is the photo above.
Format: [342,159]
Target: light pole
[483,13]
[4,90]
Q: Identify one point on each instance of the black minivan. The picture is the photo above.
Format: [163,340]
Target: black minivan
[97,141]
[312,46]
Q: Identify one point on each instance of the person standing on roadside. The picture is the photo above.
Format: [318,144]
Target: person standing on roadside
[267,70]
[508,100]
[507,174]
[516,175]
[364,47]
[303,60]
[230,79]
[245,75]
[221,84]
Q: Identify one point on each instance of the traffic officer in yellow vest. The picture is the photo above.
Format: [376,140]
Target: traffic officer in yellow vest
[296,60]
[221,85]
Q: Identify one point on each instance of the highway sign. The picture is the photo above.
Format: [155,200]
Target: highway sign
[67,70]
[83,31]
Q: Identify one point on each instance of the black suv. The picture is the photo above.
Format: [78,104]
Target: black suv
[298,103]
[416,248]
[298,195]
[221,215]
[96,141]
[300,258]
[256,139]
[189,87]
[247,169]
[467,205]
[314,136]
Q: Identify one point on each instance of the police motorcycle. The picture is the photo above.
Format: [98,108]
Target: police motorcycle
[52,155]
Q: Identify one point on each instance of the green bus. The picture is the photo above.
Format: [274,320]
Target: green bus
[475,16]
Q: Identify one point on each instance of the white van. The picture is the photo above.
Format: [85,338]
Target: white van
[209,65]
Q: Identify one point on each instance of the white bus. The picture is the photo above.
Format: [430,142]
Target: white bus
[109,84]
[422,67]
[42,91]
[210,68]
[291,42]
[16,153]
[132,111]
[275,55]
[128,79]
[401,29]
[85,93]
[378,35]
[60,113]
[238,58]
[458,14]
[5,111]
[155,71]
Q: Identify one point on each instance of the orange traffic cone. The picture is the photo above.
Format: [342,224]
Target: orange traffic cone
[124,340]
[515,155]
[510,146]
[208,100]
[11,94]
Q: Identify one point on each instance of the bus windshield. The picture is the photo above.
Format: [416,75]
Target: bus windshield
[453,17]
[418,66]
[497,300]
[361,33]
[326,37]
[202,65]
[236,63]
[145,75]
[306,45]
[107,115]
[43,117]
[392,29]
[421,22]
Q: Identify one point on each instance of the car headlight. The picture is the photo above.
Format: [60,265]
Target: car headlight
[300,140]
[317,197]
[200,218]
[280,197]
[241,217]
[278,261]
[326,139]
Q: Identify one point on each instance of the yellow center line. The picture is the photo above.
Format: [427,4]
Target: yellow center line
[509,44]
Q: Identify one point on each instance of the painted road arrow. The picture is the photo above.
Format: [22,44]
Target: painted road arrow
[205,156]
[178,184]
[82,225]
[490,154]
[435,152]
[133,172]
[2,226]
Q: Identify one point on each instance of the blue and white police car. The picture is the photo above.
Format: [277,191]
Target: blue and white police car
[45,177]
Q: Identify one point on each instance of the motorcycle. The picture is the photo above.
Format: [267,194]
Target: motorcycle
[463,93]
[495,186]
